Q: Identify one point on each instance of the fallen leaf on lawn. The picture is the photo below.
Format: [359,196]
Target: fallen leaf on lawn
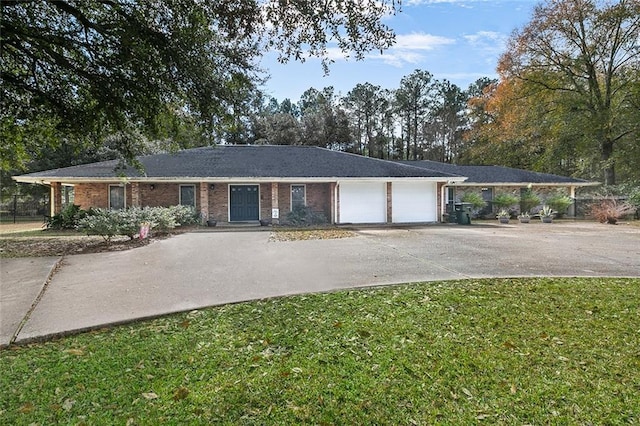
[467,392]
[26,408]
[364,333]
[185,324]
[77,352]
[149,395]
[68,404]
[513,389]
[180,393]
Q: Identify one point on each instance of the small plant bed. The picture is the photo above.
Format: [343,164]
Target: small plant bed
[65,242]
[106,230]
[495,351]
[310,234]
[42,246]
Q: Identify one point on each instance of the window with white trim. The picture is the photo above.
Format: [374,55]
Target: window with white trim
[298,196]
[117,199]
[188,195]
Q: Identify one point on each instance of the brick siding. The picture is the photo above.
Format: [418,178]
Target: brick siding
[318,197]
[162,195]
[88,195]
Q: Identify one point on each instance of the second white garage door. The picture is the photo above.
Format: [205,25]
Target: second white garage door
[363,202]
[414,202]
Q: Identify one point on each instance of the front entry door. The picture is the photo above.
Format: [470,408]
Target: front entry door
[244,203]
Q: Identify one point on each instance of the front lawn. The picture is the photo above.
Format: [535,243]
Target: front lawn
[518,351]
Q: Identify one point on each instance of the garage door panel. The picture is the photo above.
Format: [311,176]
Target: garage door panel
[363,202]
[414,202]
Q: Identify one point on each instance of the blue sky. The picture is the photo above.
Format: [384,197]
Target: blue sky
[457,40]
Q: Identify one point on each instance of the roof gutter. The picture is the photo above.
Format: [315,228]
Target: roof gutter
[75,180]
[522,184]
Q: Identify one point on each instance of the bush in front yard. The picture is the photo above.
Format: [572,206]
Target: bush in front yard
[109,223]
[304,216]
[611,210]
[559,202]
[99,222]
[67,219]
[184,215]
[505,200]
[475,199]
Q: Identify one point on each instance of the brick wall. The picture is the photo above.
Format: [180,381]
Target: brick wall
[88,195]
[218,202]
[168,194]
[318,198]
[162,195]
[265,201]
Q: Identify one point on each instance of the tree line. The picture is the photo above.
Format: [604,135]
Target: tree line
[424,118]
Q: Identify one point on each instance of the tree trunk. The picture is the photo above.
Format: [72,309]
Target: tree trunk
[607,162]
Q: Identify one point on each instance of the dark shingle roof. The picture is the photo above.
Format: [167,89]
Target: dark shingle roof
[262,161]
[495,174]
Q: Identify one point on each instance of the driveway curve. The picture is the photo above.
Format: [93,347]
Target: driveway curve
[201,269]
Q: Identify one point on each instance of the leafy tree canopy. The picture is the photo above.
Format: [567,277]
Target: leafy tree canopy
[578,61]
[86,69]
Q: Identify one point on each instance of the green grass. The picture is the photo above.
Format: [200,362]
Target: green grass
[519,351]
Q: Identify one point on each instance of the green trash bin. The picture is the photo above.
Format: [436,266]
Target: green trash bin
[463,213]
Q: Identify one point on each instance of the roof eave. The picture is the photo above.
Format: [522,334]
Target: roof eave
[47,180]
[467,183]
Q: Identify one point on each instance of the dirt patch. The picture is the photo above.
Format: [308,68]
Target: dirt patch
[61,246]
[62,243]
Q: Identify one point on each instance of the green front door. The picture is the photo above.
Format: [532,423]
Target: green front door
[244,203]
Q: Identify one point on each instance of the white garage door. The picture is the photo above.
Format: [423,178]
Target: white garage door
[363,202]
[414,202]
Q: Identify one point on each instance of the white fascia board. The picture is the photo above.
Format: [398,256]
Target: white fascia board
[208,179]
[400,179]
[524,184]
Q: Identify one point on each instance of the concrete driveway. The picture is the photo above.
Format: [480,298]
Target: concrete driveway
[202,269]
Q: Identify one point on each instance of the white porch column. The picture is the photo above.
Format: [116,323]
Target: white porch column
[275,206]
[204,202]
[56,198]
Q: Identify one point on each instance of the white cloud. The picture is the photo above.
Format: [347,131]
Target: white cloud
[420,41]
[399,58]
[485,36]
[408,49]
[489,42]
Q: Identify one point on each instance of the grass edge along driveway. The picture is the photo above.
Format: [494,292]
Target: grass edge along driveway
[499,351]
